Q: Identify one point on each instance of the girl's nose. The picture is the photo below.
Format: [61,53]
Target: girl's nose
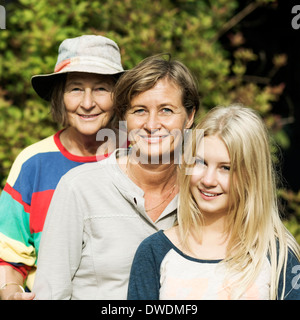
[209,178]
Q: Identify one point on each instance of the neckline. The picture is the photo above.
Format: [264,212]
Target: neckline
[213,261]
[131,191]
[73,157]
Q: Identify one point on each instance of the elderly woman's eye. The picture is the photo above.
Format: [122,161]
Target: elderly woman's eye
[100,89]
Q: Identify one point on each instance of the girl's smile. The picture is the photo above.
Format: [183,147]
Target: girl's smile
[211,176]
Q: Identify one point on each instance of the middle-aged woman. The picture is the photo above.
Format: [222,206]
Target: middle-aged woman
[101,212]
[81,101]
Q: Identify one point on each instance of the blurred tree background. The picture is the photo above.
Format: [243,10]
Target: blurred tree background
[239,51]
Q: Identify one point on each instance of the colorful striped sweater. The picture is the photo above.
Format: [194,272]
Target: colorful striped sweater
[25,200]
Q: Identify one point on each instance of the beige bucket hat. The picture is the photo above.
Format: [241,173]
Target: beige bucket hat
[87,53]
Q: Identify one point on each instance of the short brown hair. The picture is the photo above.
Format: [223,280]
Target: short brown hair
[146,74]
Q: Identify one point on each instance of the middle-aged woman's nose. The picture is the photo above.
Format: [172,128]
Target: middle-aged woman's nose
[152,123]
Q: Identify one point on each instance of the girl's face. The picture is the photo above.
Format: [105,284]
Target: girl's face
[88,101]
[156,120]
[210,178]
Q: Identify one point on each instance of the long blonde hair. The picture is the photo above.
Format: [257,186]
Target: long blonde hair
[253,221]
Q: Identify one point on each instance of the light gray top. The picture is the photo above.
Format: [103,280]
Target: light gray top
[95,222]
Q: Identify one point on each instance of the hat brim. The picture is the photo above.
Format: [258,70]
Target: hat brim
[44,84]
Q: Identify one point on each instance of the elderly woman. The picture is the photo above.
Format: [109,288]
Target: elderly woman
[101,212]
[80,93]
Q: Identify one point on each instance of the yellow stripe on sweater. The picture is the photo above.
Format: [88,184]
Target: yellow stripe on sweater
[45,145]
[16,252]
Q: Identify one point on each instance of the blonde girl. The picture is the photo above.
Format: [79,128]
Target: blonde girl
[229,242]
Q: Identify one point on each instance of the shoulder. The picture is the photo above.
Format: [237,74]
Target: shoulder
[293,268]
[144,280]
[99,172]
[156,245]
[84,173]
[156,239]
[43,146]
[292,278]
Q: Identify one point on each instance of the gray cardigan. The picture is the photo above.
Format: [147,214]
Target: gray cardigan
[95,222]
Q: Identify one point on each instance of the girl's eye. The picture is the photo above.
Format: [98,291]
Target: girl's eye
[199,162]
[226,168]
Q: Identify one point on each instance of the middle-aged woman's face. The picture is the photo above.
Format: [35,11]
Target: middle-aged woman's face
[156,120]
[88,101]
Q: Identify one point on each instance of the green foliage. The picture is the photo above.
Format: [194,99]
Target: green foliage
[189,30]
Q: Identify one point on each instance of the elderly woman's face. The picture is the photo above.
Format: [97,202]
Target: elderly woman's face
[156,120]
[88,101]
